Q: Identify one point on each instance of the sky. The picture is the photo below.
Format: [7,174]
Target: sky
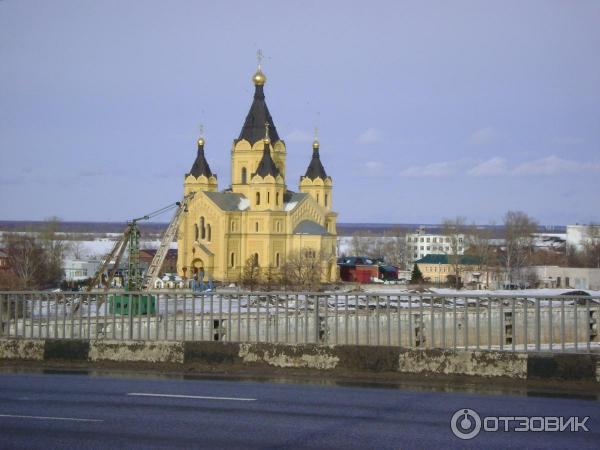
[426,110]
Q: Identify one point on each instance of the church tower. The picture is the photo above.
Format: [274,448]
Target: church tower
[315,181]
[200,177]
[267,186]
[247,151]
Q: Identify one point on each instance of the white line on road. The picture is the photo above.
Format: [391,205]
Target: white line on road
[73,419]
[142,394]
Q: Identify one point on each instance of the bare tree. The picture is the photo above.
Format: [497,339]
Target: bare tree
[78,249]
[250,273]
[303,268]
[518,229]
[479,244]
[591,247]
[454,232]
[26,260]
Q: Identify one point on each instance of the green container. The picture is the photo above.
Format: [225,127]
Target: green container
[134,304]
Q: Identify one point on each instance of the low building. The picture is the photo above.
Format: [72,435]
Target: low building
[80,269]
[420,244]
[566,277]
[169,264]
[440,269]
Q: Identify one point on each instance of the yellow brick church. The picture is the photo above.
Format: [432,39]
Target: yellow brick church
[257,216]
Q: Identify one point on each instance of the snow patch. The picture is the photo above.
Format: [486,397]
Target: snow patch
[291,205]
[244,204]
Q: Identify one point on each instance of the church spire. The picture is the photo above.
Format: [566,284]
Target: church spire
[315,167]
[200,166]
[266,166]
[252,130]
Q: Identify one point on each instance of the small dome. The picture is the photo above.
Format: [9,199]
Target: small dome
[259,78]
[201,142]
[316,144]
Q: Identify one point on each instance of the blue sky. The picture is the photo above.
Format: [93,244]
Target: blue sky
[426,110]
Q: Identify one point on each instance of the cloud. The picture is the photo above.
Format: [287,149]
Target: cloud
[374,168]
[370,136]
[483,136]
[553,165]
[298,136]
[494,166]
[498,166]
[438,169]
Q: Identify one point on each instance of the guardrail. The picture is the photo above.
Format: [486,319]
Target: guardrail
[419,321]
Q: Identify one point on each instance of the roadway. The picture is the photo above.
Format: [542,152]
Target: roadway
[48,411]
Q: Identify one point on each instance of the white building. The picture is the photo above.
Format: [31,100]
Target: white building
[567,277]
[80,269]
[421,244]
[579,235]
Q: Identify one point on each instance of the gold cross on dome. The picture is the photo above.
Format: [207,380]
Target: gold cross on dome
[259,57]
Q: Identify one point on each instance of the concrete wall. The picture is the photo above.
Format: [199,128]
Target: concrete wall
[324,358]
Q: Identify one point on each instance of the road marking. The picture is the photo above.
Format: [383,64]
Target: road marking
[72,419]
[201,397]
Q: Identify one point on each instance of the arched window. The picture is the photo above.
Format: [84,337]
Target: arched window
[232,225]
[278,226]
[317,197]
[202,228]
[256,259]
[256,227]
[244,175]
[268,198]
[277,199]
[196,232]
[258,198]
[276,259]
[208,232]
[232,260]
[326,199]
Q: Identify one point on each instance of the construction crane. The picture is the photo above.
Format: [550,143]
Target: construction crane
[130,240]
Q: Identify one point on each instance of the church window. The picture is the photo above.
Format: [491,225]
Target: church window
[256,227]
[232,225]
[244,175]
[196,232]
[277,199]
[268,198]
[232,260]
[208,232]
[202,228]
[326,199]
[317,197]
[258,198]
[278,226]
[256,259]
[276,259]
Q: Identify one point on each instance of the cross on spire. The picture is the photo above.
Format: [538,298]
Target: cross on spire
[259,57]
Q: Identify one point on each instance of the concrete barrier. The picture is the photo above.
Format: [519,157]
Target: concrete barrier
[140,351]
[342,358]
[24,350]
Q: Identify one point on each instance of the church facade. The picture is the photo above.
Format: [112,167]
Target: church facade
[257,220]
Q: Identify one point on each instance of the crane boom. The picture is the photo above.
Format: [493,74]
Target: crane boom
[165,242]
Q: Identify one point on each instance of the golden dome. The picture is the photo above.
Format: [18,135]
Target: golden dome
[316,144]
[259,78]
[201,142]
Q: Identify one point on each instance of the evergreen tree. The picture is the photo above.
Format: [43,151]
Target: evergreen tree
[416,276]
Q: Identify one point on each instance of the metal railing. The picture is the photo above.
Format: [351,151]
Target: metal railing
[417,321]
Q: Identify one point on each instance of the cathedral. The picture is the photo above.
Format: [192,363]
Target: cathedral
[257,220]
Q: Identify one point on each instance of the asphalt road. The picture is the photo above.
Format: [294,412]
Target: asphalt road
[81,411]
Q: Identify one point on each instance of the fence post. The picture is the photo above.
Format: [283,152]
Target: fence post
[538,323]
